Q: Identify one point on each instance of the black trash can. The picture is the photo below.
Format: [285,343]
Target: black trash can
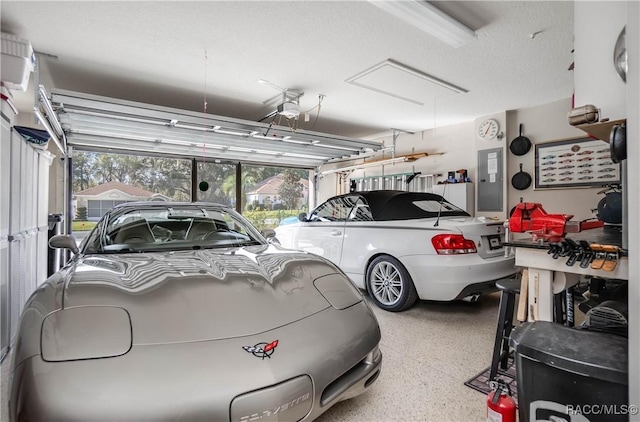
[570,374]
[55,227]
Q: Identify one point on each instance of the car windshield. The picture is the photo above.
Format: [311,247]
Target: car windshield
[166,227]
[432,206]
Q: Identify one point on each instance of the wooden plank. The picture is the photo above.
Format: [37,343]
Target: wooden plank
[524,294]
[533,299]
[600,130]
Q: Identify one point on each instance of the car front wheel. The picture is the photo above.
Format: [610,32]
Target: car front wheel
[390,284]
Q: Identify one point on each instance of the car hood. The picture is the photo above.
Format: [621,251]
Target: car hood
[201,295]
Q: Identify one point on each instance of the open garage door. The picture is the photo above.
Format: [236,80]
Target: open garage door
[101,123]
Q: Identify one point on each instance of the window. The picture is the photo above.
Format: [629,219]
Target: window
[101,181]
[96,208]
[337,209]
[436,206]
[165,227]
[360,212]
[221,183]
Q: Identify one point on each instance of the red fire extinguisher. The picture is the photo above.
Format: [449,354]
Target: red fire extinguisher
[501,407]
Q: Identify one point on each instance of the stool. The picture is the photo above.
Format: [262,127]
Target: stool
[510,288]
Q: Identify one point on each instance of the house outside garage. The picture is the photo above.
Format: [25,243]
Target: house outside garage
[268,191]
[98,199]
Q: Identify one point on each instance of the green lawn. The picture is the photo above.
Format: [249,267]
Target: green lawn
[79,226]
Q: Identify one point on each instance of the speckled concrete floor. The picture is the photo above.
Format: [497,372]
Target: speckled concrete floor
[429,352]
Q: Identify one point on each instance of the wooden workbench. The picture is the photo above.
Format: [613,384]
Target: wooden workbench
[548,276]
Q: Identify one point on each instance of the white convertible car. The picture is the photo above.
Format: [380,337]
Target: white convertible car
[401,246]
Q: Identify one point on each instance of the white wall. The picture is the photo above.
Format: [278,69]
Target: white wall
[596,27]
[460,146]
[544,124]
[449,146]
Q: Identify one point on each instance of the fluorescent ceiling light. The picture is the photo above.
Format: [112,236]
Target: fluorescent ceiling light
[429,19]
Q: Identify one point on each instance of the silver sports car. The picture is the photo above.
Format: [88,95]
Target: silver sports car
[184,311]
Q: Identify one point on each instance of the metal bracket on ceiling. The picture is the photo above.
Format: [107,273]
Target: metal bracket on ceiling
[47,117]
[285,93]
[396,133]
[36,73]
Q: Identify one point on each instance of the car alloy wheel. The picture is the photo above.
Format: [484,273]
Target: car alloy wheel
[390,284]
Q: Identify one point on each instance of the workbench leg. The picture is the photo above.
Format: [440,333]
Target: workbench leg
[540,295]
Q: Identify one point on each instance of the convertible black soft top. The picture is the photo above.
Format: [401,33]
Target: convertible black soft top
[388,205]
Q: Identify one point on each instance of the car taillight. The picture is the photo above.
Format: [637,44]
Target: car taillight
[452,244]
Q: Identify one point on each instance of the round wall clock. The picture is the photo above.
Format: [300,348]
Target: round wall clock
[488,129]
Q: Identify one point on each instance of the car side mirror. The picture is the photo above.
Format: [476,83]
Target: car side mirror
[269,233]
[273,240]
[63,241]
[302,216]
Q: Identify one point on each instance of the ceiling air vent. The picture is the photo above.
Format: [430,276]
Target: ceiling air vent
[402,82]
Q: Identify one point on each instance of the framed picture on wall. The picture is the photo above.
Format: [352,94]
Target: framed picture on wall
[574,163]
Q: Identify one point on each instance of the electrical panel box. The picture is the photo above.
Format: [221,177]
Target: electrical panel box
[490,180]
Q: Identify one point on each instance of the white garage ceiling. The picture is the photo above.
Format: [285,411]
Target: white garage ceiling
[178,53]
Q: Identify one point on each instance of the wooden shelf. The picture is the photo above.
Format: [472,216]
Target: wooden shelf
[600,130]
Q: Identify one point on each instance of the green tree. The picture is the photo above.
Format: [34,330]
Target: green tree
[167,176]
[83,174]
[290,190]
[268,203]
[221,180]
[81,214]
[170,177]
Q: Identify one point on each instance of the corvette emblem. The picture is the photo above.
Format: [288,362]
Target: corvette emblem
[262,350]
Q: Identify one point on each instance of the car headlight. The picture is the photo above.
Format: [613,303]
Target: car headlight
[86,332]
[373,356]
[338,290]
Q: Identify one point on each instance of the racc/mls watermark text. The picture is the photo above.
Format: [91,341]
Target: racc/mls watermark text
[602,409]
